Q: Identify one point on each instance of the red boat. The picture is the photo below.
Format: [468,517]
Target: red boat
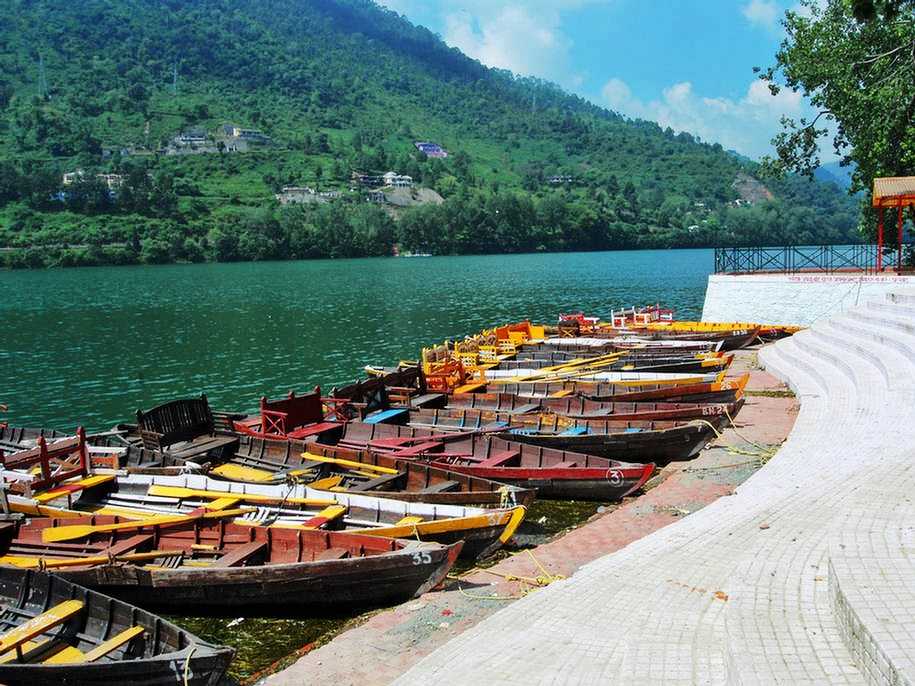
[554,473]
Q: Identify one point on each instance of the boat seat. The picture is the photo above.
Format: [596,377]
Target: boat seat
[377,482]
[25,632]
[312,430]
[441,487]
[563,465]
[417,449]
[325,516]
[526,408]
[223,503]
[71,655]
[236,472]
[203,446]
[73,487]
[500,459]
[393,416]
[129,544]
[428,399]
[575,431]
[332,554]
[238,556]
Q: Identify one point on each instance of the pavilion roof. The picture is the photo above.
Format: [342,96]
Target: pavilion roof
[894,191]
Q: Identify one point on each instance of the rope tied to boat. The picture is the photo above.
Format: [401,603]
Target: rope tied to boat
[187,664]
[506,497]
[528,583]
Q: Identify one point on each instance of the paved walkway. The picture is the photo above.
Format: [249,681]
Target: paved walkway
[803,576]
[391,642]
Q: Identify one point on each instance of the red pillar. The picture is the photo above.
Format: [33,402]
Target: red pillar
[880,242]
[899,249]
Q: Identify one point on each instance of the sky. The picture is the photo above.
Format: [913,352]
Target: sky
[686,64]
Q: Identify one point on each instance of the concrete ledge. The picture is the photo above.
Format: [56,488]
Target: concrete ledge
[796,299]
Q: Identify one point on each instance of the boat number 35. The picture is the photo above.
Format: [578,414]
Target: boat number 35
[421,558]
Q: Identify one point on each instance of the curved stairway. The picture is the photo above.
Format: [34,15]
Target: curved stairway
[804,576]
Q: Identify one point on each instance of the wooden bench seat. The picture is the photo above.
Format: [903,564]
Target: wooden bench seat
[203,445]
[313,430]
[378,482]
[563,465]
[129,544]
[332,554]
[418,449]
[429,399]
[500,459]
[241,554]
[526,408]
[71,655]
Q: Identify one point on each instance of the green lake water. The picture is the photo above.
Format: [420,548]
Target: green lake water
[90,346]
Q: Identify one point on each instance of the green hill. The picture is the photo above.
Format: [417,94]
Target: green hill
[104,87]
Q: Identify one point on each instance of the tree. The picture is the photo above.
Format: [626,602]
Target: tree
[856,64]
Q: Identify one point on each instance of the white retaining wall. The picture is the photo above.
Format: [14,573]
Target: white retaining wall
[792,299]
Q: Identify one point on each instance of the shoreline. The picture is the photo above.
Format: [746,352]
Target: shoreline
[387,643]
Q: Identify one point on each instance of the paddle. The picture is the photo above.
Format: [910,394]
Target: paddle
[68,533]
[346,463]
[181,492]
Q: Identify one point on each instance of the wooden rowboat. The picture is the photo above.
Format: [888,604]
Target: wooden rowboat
[676,443]
[594,416]
[579,407]
[553,473]
[206,565]
[54,632]
[138,496]
[719,391]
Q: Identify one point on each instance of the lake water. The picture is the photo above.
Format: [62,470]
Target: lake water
[90,346]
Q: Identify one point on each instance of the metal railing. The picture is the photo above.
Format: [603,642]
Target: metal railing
[791,259]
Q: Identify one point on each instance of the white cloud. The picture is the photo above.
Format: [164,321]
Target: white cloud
[764,13]
[525,37]
[745,125]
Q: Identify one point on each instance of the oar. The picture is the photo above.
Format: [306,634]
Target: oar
[350,464]
[68,533]
[52,563]
[181,492]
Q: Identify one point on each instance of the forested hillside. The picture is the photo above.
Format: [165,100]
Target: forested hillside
[104,87]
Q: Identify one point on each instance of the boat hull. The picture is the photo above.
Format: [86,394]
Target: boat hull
[294,587]
[659,446]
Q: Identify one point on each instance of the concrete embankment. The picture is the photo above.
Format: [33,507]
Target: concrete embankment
[391,642]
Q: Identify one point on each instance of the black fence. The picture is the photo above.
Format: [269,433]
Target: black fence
[813,258]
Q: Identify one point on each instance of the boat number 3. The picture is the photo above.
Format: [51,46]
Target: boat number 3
[615,477]
[421,558]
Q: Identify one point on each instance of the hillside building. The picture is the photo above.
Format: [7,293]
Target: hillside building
[397,180]
[430,149]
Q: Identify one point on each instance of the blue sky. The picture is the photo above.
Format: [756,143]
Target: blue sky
[686,64]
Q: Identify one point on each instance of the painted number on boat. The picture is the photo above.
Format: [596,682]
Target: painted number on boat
[421,558]
[614,476]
